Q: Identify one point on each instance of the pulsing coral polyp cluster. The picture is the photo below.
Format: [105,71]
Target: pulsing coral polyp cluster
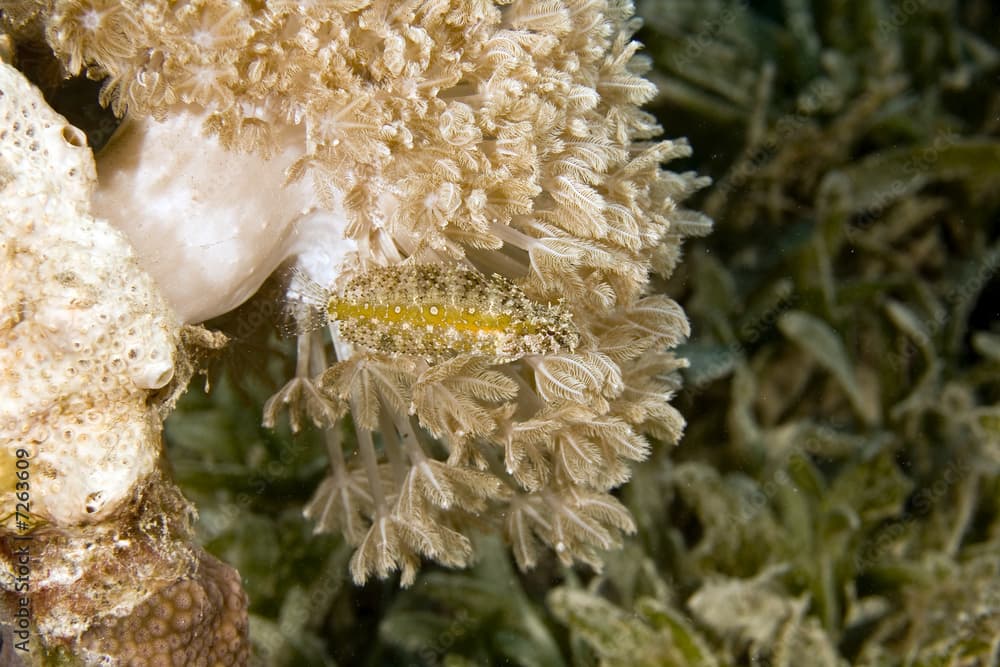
[502,137]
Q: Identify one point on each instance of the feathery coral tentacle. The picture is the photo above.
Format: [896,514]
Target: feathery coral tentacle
[395,150]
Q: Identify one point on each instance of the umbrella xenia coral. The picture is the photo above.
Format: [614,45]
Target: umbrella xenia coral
[492,156]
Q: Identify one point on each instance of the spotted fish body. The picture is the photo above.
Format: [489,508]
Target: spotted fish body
[442,310]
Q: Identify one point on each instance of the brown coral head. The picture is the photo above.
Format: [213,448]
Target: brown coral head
[197,621]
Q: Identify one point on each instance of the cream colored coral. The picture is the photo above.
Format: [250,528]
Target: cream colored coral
[84,335]
[502,136]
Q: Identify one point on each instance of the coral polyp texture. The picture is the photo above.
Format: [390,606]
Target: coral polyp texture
[444,140]
[197,621]
[90,528]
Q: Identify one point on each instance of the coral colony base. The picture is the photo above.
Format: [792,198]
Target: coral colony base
[479,195]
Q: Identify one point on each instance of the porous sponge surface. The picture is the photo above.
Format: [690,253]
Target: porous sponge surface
[84,334]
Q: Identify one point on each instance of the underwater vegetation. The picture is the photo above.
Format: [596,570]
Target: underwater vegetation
[835,497]
[834,500]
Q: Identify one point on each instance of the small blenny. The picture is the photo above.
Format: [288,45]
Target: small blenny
[442,310]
